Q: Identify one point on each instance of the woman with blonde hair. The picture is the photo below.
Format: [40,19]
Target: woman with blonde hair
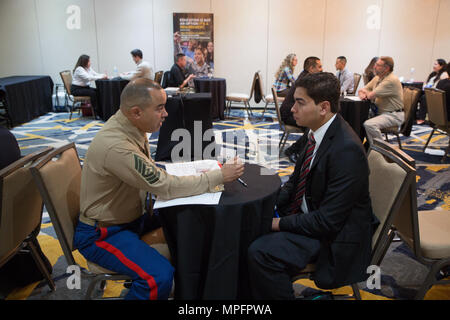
[284,77]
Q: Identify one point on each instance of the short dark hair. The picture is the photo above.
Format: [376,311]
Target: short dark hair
[178,56]
[342,58]
[310,62]
[322,86]
[446,68]
[136,53]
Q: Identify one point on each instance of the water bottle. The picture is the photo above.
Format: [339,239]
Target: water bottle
[116,74]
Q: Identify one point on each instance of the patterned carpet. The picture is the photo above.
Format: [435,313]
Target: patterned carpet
[255,140]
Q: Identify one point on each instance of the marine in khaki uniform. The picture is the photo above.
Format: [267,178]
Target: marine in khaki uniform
[118,173]
[386,91]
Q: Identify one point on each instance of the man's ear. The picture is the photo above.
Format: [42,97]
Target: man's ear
[135,112]
[325,107]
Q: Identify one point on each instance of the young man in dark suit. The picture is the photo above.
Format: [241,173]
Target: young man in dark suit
[325,210]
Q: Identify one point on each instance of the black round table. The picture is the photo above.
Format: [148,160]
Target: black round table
[355,113]
[185,111]
[218,89]
[108,92]
[209,243]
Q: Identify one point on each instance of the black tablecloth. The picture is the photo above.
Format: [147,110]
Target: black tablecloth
[355,113]
[218,89]
[418,85]
[182,111]
[208,244]
[26,97]
[108,92]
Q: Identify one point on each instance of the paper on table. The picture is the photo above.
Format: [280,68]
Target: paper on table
[354,98]
[186,169]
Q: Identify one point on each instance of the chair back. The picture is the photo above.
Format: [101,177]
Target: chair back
[165,79]
[158,77]
[436,105]
[356,80]
[411,97]
[66,77]
[389,181]
[277,108]
[365,78]
[58,177]
[252,88]
[259,94]
[20,205]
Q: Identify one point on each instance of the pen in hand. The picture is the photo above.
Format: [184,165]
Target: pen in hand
[242,182]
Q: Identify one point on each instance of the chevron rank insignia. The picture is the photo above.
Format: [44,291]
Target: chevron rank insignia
[150,173]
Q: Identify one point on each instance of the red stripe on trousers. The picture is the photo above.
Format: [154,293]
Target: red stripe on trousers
[133,266]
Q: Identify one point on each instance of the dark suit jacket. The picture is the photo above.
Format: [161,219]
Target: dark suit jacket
[340,212]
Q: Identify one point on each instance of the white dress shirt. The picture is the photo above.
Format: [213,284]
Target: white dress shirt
[318,137]
[83,77]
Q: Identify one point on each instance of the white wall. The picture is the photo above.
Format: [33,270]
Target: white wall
[249,35]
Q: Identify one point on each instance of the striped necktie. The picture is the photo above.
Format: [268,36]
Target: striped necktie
[301,182]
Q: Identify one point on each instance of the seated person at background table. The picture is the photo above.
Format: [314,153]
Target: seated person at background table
[325,210]
[369,72]
[143,69]
[386,93]
[118,174]
[83,74]
[344,76]
[310,65]
[432,80]
[284,78]
[444,84]
[178,76]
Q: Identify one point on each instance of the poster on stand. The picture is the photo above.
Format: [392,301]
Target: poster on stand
[193,31]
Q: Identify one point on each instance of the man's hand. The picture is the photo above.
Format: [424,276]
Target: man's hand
[232,170]
[276,224]
[362,94]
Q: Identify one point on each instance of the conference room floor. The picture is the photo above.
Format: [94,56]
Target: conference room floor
[401,272]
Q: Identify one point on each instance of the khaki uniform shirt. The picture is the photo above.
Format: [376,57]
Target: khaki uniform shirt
[118,172]
[389,93]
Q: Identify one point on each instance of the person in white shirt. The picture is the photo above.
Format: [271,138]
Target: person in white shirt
[344,76]
[143,69]
[83,74]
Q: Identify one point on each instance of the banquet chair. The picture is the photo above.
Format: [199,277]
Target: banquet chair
[158,77]
[66,77]
[410,99]
[21,212]
[356,80]
[424,232]
[242,98]
[58,178]
[165,79]
[267,99]
[437,114]
[386,198]
[287,129]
